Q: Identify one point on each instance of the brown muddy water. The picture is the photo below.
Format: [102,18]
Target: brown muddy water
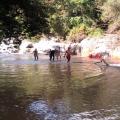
[43,90]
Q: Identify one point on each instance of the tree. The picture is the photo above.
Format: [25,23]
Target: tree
[23,16]
[111,14]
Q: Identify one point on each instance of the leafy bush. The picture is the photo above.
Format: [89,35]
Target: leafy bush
[96,32]
[77,33]
[74,21]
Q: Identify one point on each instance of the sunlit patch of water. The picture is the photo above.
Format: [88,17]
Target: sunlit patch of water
[43,110]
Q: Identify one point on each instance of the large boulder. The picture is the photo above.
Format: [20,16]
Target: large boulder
[109,43]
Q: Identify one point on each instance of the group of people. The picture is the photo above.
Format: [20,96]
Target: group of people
[55,53]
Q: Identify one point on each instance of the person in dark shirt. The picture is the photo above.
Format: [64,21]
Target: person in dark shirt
[52,55]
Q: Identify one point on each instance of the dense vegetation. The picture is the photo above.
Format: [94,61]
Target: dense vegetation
[69,19]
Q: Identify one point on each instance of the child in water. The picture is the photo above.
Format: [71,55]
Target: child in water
[35,52]
[68,54]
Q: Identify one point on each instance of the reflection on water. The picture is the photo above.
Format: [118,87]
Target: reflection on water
[40,90]
[41,109]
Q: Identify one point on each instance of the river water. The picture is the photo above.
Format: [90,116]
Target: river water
[43,90]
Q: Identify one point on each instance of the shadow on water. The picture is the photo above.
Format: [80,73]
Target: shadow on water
[10,101]
[43,90]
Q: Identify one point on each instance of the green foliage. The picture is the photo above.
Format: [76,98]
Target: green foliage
[1,31]
[73,18]
[36,38]
[95,32]
[74,21]
[23,17]
[69,14]
[78,32]
[59,25]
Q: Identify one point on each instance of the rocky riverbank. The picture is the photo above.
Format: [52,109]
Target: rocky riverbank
[109,43]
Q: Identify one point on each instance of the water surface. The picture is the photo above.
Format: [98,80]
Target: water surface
[43,90]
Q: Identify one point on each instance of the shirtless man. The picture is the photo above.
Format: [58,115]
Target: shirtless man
[35,52]
[68,54]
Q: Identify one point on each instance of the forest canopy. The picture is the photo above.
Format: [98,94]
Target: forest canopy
[69,19]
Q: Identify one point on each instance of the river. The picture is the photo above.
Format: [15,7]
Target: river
[43,90]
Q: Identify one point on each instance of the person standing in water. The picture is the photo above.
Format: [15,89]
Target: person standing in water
[57,53]
[68,54]
[52,54]
[35,52]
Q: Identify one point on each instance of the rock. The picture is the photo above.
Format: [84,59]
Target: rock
[30,46]
[10,45]
[108,43]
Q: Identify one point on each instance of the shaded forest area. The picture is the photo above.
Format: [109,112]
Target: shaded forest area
[68,19]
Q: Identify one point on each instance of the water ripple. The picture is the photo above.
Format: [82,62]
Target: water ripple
[41,108]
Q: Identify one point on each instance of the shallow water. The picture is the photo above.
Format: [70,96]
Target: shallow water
[43,90]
